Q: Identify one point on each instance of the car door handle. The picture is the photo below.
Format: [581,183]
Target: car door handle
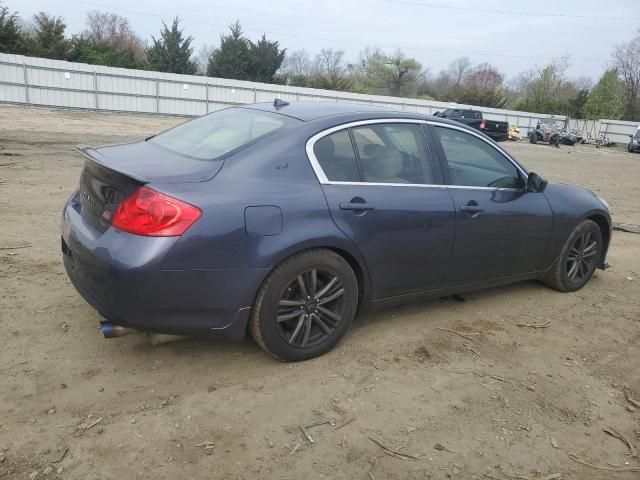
[471,208]
[356,206]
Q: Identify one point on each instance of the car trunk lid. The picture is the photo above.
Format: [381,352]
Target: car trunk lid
[113,173]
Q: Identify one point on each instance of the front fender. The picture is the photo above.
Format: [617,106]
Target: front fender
[571,205]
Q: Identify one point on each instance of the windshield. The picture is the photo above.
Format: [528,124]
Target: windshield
[211,136]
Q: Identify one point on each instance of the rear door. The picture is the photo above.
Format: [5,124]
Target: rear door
[384,193]
[501,229]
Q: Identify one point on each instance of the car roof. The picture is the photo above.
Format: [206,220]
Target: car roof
[334,113]
[309,111]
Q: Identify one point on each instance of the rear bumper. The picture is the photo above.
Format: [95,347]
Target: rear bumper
[498,137]
[120,275]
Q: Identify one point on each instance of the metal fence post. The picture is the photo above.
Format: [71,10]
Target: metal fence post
[26,83]
[206,86]
[95,89]
[157,96]
[255,95]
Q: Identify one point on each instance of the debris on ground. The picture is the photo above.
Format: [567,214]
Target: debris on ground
[394,453]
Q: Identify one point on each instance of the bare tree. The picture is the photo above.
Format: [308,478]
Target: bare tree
[625,61]
[114,30]
[296,64]
[330,71]
[483,85]
[458,69]
[202,58]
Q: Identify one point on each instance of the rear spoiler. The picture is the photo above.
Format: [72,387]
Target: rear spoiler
[90,153]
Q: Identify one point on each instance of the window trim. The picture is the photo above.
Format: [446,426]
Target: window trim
[322,178]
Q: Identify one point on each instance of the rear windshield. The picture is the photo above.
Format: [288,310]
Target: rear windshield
[211,136]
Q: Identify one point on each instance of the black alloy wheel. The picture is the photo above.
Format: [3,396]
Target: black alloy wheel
[311,307]
[305,306]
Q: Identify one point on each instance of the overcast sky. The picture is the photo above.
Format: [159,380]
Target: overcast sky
[515,41]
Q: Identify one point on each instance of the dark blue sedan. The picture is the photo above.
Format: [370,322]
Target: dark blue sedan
[284,221]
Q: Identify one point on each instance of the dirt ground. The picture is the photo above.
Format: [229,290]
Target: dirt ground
[508,402]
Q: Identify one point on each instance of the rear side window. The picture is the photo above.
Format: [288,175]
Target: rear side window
[336,157]
[470,114]
[216,134]
[393,153]
[473,162]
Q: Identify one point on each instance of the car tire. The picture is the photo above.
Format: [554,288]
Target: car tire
[533,138]
[294,321]
[578,259]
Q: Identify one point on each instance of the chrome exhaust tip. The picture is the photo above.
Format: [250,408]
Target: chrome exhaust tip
[112,330]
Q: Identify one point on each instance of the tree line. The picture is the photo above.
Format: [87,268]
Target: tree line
[109,40]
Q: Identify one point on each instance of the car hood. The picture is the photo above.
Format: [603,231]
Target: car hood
[580,200]
[146,162]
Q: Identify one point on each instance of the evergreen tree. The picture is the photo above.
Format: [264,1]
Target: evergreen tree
[233,58]
[90,50]
[171,52]
[48,39]
[11,37]
[266,58]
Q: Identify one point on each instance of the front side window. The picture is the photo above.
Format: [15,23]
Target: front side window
[474,163]
[392,153]
[216,134]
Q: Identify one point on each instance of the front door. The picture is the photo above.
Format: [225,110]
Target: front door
[385,195]
[501,229]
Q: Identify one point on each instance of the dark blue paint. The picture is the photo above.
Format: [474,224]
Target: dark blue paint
[263,203]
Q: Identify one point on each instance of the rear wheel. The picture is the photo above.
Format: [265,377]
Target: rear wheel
[578,259]
[305,306]
[533,137]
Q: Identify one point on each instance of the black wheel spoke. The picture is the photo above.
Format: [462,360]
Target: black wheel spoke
[289,316]
[307,331]
[311,308]
[314,282]
[323,326]
[573,270]
[291,303]
[298,328]
[302,286]
[590,248]
[589,254]
[331,317]
[331,297]
[327,287]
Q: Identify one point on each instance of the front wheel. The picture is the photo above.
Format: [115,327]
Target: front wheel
[305,306]
[578,259]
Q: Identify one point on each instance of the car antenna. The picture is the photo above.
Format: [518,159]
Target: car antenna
[278,103]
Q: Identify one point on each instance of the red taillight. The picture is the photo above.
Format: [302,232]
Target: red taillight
[154,214]
[482,124]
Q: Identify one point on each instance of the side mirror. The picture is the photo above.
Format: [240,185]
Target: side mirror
[535,183]
[437,114]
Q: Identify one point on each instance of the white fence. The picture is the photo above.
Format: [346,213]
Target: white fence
[54,83]
[617,130]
